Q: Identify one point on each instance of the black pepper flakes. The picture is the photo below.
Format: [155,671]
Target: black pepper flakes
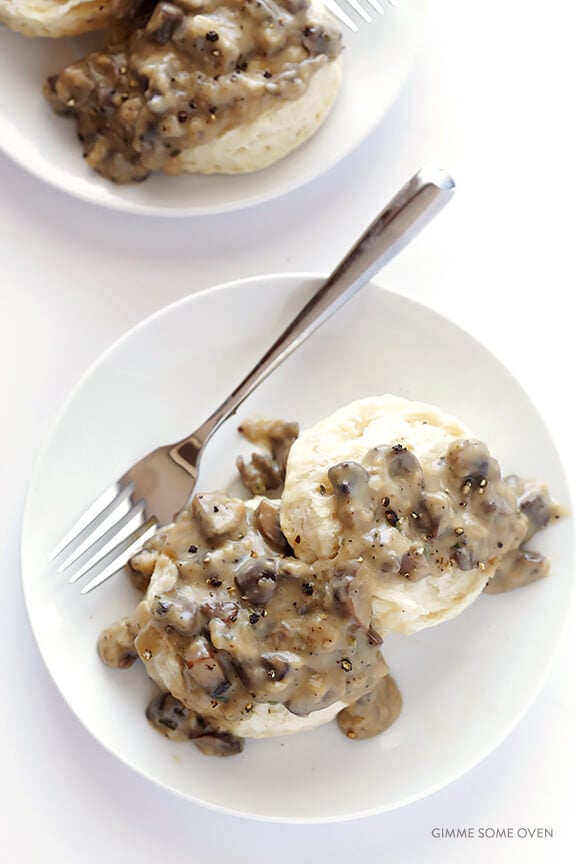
[254,618]
[192,548]
[392,517]
[308,588]
[212,36]
[346,665]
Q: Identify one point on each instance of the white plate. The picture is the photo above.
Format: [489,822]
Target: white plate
[465,684]
[378,59]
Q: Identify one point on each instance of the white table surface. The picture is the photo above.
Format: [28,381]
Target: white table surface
[490,98]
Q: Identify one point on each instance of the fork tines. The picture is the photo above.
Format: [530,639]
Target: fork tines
[358,8]
[104,538]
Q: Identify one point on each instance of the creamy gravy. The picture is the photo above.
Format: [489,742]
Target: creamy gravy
[396,525]
[246,622]
[185,73]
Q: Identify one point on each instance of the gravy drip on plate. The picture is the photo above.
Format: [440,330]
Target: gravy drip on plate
[233,618]
[185,72]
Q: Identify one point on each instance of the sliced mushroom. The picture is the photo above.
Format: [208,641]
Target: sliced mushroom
[142,564]
[257,579]
[462,556]
[170,716]
[471,463]
[116,645]
[163,22]
[218,515]
[403,463]
[279,663]
[276,436]
[356,604]
[219,744]
[268,523]
[205,669]
[414,564]
[538,510]
[227,611]
[434,514]
[178,611]
[354,505]
[261,474]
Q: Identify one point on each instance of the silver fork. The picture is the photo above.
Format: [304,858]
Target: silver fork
[152,490]
[338,9]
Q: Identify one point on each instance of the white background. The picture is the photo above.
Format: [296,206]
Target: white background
[491,98]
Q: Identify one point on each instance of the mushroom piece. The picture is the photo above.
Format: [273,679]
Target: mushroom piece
[217,514]
[268,523]
[163,22]
[219,744]
[266,471]
[403,463]
[356,604]
[414,564]
[177,611]
[169,716]
[470,461]
[352,493]
[225,610]
[462,556]
[205,669]
[537,510]
[116,645]
[257,579]
[260,474]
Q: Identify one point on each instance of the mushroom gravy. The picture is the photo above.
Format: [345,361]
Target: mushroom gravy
[242,621]
[399,524]
[232,619]
[185,72]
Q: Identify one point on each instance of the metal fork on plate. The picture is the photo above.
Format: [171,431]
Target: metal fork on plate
[157,486]
[338,9]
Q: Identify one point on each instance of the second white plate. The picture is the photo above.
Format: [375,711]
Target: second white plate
[377,61]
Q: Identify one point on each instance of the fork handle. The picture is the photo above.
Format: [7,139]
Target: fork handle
[400,221]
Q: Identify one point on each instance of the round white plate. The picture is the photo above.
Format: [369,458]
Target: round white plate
[378,58]
[465,683]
